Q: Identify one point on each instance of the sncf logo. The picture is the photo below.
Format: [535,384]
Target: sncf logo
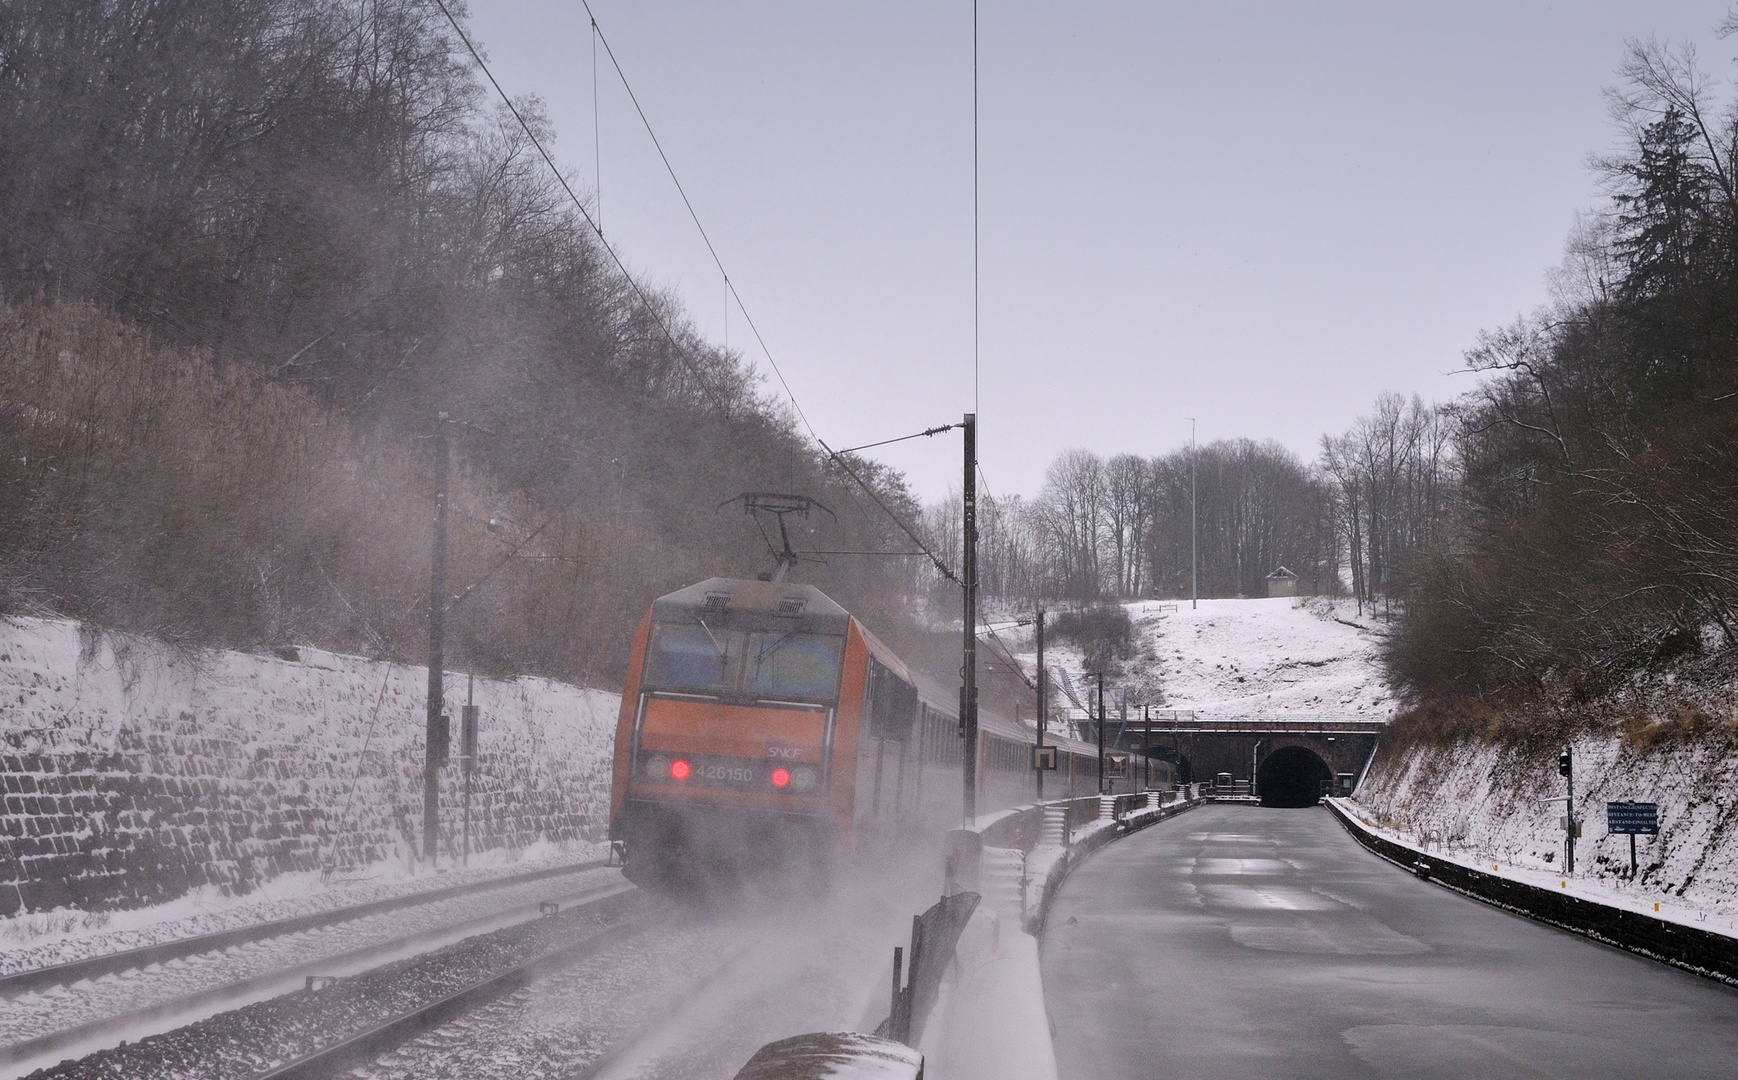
[778,751]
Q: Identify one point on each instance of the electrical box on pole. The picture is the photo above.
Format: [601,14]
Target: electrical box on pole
[468,738]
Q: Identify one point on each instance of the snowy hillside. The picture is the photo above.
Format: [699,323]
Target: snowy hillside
[1308,657]
[1267,657]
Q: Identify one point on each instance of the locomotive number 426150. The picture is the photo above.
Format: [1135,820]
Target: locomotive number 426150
[734,774]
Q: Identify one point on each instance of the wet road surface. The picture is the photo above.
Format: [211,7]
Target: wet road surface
[1245,942]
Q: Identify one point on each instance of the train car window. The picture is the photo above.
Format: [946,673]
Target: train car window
[804,667]
[687,657]
[892,703]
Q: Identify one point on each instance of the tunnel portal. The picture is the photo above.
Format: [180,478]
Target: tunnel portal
[1292,776]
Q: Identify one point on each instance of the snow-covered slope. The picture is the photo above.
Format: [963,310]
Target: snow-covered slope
[1267,657]
[1488,804]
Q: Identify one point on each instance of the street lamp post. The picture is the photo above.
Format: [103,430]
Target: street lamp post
[1194,579]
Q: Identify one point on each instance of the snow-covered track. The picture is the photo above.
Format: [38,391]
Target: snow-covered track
[678,1020]
[110,963]
[313,1031]
[172,1011]
[369,1044]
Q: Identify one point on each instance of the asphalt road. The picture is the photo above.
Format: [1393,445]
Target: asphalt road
[1243,942]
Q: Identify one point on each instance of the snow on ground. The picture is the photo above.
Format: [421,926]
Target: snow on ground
[1281,657]
[45,939]
[1487,804]
[1267,657]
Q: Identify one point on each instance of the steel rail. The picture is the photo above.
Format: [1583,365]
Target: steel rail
[42,1046]
[386,1037]
[146,955]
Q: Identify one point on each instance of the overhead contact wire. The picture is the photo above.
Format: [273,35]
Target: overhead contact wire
[562,180]
[686,202]
[729,285]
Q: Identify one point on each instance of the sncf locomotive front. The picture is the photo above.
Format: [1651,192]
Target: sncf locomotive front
[735,745]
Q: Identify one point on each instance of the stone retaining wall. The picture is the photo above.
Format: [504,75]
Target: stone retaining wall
[134,772]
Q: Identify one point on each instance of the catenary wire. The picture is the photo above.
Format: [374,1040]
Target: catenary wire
[941,568]
[633,283]
[730,287]
[671,169]
[902,438]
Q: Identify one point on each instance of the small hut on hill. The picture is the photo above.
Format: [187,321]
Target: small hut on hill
[1282,582]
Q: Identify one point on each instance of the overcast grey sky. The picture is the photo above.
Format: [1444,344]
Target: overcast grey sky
[1259,215]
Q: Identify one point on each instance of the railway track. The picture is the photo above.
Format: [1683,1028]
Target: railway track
[389,1035]
[131,959]
[90,1036]
[316,1030]
[691,1001]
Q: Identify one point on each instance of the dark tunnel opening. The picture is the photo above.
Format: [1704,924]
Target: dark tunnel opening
[1291,777]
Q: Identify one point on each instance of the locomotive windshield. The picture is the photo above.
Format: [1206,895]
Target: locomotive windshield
[793,665]
[780,665]
[688,657]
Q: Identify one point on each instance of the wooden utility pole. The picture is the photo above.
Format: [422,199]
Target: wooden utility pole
[969,578]
[434,744]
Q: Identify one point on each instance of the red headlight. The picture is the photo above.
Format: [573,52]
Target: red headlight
[679,769]
[780,778]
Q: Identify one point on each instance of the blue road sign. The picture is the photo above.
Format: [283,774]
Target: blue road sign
[1632,818]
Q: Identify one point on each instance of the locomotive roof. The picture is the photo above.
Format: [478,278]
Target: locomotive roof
[775,603]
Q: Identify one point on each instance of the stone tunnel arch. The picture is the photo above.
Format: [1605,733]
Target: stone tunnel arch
[1292,776]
